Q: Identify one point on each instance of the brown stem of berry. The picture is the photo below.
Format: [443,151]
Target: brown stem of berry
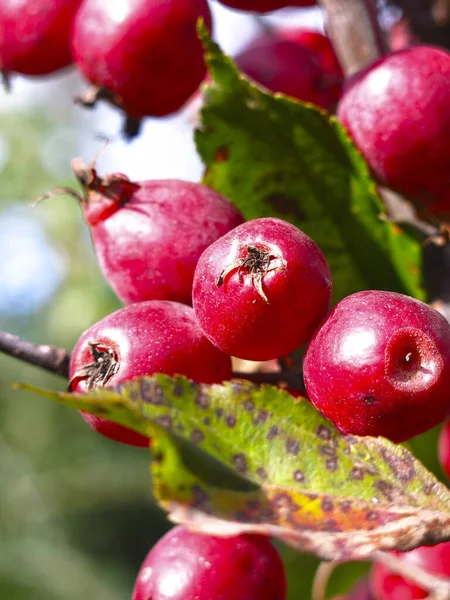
[353,28]
[321,579]
[49,358]
[438,588]
[56,361]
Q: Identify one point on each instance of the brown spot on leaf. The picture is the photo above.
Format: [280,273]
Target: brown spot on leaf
[357,474]
[206,421]
[372,515]
[430,488]
[332,525]
[284,503]
[401,466]
[165,421]
[261,472]
[327,451]
[331,464]
[326,504]
[261,417]
[273,432]
[386,488]
[150,393]
[197,436]
[249,406]
[323,432]
[177,389]
[219,412]
[230,421]
[202,400]
[240,462]
[345,506]
[221,154]
[292,446]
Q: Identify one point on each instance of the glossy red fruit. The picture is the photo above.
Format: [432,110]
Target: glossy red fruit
[282,65]
[398,113]
[386,585]
[144,54]
[143,339]
[149,235]
[34,35]
[262,6]
[189,566]
[261,290]
[444,448]
[380,365]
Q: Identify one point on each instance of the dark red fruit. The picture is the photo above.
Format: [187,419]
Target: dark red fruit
[189,566]
[149,235]
[34,35]
[380,365]
[320,45]
[143,339]
[144,54]
[387,585]
[262,6]
[400,36]
[285,66]
[398,113]
[444,448]
[261,290]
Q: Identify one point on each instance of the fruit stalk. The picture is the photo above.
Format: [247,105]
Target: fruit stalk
[354,31]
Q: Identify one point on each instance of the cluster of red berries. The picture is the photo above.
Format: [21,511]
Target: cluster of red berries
[142,56]
[377,364]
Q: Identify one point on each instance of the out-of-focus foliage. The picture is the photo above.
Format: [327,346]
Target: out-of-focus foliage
[76,516]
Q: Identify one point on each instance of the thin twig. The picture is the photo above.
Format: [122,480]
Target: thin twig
[52,359]
[321,579]
[56,360]
[353,28]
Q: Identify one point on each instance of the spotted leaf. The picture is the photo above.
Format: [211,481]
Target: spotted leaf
[239,458]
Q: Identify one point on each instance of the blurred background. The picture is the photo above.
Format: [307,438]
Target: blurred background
[76,515]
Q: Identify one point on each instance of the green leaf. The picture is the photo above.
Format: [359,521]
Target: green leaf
[273,156]
[236,458]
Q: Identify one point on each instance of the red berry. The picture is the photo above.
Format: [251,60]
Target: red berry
[144,54]
[263,6]
[398,113]
[387,585]
[149,235]
[380,365]
[324,54]
[261,290]
[189,566]
[444,448]
[34,35]
[400,35]
[143,339]
[285,66]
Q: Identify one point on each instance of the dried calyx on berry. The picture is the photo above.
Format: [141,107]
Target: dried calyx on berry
[257,263]
[101,196]
[97,373]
